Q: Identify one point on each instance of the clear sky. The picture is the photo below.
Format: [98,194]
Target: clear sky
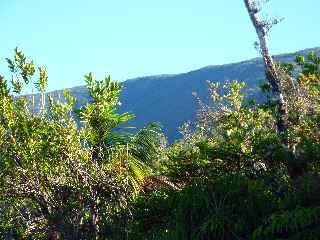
[131,38]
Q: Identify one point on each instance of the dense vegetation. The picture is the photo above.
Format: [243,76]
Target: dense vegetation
[230,177]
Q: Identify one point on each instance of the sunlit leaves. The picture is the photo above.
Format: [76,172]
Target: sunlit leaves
[17,85]
[103,90]
[4,89]
[42,83]
[20,65]
[299,59]
[310,69]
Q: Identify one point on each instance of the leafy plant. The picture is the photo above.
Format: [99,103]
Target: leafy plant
[59,180]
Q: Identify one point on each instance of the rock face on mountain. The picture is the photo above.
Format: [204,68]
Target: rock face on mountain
[168,99]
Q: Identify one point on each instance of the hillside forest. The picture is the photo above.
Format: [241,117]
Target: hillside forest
[246,169]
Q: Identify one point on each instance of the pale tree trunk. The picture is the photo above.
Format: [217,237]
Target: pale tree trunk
[270,68]
[274,79]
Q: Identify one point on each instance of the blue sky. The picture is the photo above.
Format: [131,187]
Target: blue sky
[127,38]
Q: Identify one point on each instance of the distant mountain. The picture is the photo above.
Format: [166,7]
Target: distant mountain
[168,98]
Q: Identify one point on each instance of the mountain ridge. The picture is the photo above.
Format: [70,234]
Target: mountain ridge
[167,98]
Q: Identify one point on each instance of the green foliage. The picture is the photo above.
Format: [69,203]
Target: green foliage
[61,180]
[300,223]
[208,208]
[229,177]
[235,171]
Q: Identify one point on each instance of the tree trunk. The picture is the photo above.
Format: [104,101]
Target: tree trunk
[54,234]
[294,169]
[94,218]
[123,223]
[270,69]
